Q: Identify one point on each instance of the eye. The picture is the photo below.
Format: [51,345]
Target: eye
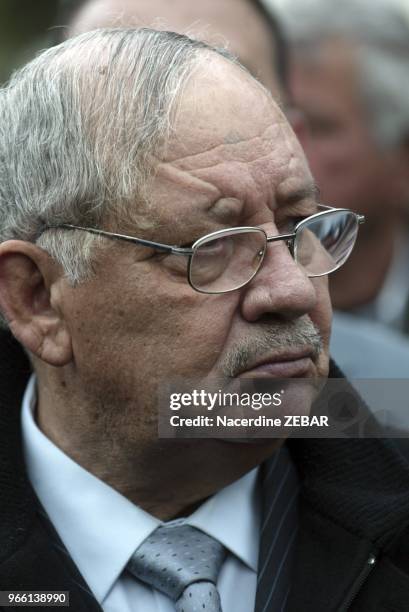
[215,247]
[324,127]
[288,225]
[175,264]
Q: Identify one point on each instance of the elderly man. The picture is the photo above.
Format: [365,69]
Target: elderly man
[350,76]
[159,221]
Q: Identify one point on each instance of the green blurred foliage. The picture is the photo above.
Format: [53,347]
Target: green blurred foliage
[25,27]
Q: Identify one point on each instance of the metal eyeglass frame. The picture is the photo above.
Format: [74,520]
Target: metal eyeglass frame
[189,251]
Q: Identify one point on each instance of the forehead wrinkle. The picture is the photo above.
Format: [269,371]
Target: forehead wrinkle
[254,170]
[249,179]
[191,175]
[186,179]
[234,147]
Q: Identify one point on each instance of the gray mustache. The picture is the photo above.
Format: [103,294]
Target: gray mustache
[270,337]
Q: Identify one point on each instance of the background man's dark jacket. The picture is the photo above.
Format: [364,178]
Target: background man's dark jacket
[354,506]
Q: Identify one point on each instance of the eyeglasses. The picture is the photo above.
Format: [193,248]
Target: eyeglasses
[228,259]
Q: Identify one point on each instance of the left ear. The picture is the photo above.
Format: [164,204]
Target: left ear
[30,284]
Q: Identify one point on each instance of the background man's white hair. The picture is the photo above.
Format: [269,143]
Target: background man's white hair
[379,32]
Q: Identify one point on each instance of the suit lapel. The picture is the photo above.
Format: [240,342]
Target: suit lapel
[280,487]
[32,557]
[43,563]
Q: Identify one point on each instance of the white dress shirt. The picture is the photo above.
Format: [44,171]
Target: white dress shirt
[101,528]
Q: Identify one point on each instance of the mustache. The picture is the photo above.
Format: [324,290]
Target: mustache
[270,337]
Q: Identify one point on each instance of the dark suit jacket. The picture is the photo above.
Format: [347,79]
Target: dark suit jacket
[354,506]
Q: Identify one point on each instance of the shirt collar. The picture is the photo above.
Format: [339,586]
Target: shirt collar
[101,529]
[232,516]
[81,507]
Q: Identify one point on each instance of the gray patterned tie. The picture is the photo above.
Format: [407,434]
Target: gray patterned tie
[183,563]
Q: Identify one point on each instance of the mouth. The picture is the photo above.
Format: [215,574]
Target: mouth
[291,364]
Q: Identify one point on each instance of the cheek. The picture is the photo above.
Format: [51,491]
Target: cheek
[165,330]
[197,325]
[331,156]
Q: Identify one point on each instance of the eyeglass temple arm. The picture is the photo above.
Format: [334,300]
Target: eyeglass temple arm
[174,250]
[149,243]
[281,237]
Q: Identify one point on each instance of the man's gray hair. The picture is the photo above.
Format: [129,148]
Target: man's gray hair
[379,31]
[79,128]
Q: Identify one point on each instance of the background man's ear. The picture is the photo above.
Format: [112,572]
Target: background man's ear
[29,281]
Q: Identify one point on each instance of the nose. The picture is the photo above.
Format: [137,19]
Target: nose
[280,288]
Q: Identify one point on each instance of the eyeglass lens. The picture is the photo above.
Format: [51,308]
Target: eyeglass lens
[324,243]
[227,262]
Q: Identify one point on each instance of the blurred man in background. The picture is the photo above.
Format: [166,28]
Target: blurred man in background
[249,30]
[350,77]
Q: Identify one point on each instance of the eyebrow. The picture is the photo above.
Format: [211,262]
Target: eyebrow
[310,191]
[225,208]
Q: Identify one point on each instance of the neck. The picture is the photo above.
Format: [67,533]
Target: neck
[166,478]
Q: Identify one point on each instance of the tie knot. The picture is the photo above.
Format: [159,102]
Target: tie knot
[174,557]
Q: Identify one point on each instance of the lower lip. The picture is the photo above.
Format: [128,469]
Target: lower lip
[298,368]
